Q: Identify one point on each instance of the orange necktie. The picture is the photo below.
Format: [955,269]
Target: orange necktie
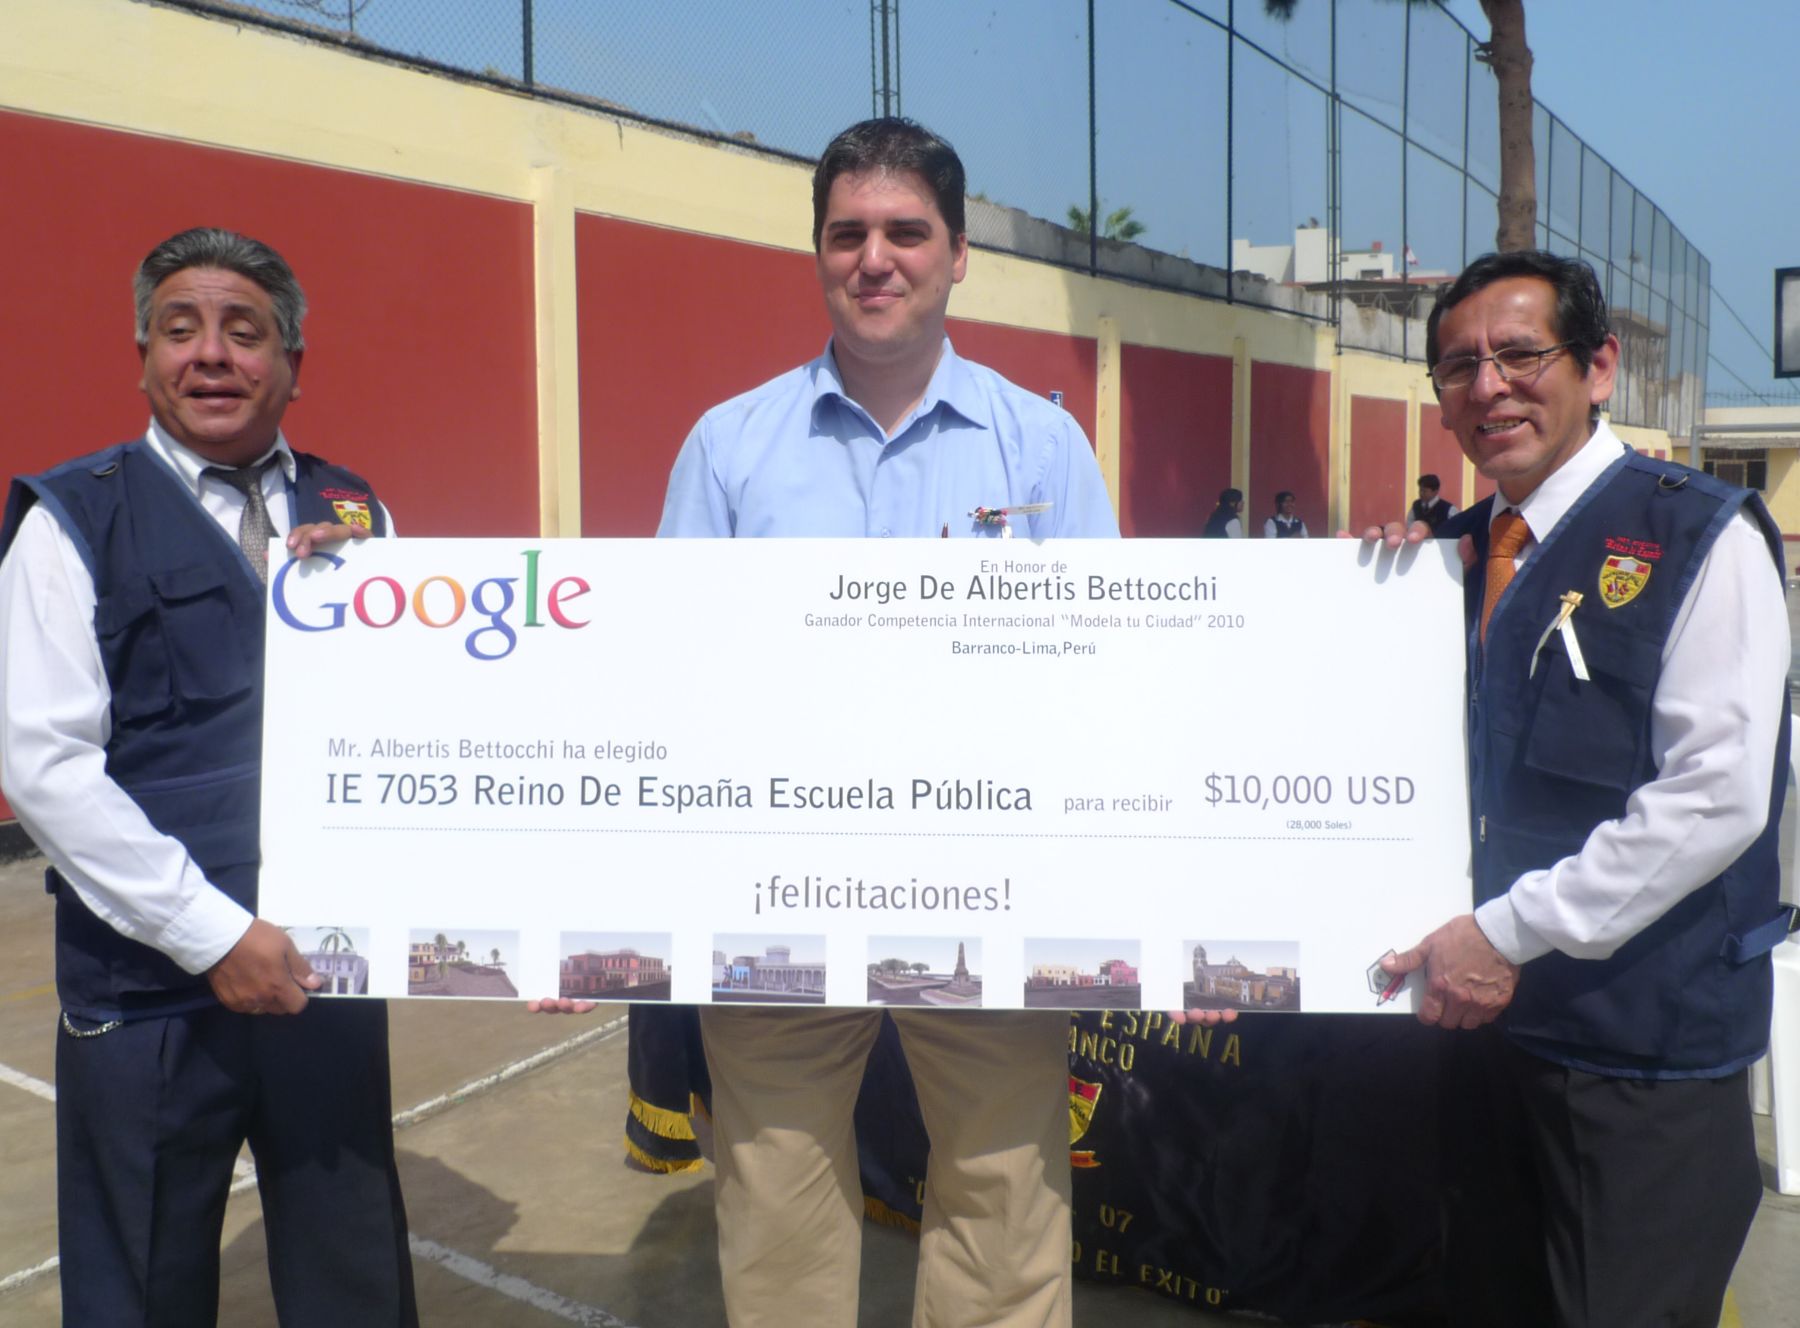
[1505,538]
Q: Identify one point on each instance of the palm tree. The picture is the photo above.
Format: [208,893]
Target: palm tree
[1506,53]
[1118,224]
[440,945]
[495,953]
[337,940]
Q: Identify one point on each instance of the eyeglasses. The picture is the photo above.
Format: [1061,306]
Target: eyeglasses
[1513,362]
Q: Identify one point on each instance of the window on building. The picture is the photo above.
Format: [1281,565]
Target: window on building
[1747,469]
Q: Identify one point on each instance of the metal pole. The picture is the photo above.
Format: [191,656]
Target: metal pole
[1581,197]
[1093,154]
[1405,162]
[1335,205]
[525,17]
[1632,260]
[898,81]
[1231,144]
[1612,181]
[1791,429]
[1549,174]
[1662,394]
[1468,96]
[887,87]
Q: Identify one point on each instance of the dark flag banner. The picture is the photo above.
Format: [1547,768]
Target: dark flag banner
[1285,1164]
[667,1072]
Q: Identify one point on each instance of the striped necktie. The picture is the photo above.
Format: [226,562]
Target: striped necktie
[254,527]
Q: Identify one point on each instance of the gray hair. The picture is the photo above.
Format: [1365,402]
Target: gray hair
[209,246]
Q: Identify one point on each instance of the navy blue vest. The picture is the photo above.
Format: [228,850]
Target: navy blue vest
[1433,513]
[1292,528]
[1216,523]
[1551,757]
[178,618]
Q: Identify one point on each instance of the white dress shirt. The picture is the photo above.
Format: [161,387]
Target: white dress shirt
[56,718]
[1713,727]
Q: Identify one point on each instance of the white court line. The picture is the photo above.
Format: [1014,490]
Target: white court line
[36,1087]
[25,1275]
[465,1267]
[413,1115]
[513,1288]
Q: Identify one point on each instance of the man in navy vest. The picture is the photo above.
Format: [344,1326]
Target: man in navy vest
[1627,664]
[1430,508]
[131,706]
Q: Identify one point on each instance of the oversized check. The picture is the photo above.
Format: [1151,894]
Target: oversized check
[933,772]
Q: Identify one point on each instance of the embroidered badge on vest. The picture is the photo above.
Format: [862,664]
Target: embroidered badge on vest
[1624,574]
[353,513]
[351,506]
[1621,579]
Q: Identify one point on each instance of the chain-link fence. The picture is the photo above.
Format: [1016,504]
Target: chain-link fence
[1341,163]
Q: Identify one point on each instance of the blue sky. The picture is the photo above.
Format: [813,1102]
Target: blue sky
[1694,103]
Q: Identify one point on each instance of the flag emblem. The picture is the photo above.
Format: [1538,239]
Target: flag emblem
[1621,579]
[353,513]
[1084,1096]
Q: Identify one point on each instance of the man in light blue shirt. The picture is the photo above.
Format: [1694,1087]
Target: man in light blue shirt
[890,433]
[800,456]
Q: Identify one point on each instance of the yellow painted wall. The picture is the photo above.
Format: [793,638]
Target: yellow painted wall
[1783,493]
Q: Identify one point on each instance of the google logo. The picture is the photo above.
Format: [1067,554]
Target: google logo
[441,602]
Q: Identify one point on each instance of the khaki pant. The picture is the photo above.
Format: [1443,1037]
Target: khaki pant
[994,1090]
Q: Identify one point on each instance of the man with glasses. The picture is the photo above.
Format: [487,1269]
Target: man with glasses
[1627,664]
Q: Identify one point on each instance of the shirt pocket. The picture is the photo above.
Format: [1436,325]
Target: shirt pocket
[172,636]
[208,653]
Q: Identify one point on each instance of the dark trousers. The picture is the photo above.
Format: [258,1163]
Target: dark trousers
[149,1120]
[1578,1200]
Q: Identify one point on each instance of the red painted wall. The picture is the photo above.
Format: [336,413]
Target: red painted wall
[420,370]
[1440,454]
[1174,439]
[1040,362]
[1378,488]
[1290,444]
[671,323]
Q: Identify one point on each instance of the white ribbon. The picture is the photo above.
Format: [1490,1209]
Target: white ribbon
[1565,623]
